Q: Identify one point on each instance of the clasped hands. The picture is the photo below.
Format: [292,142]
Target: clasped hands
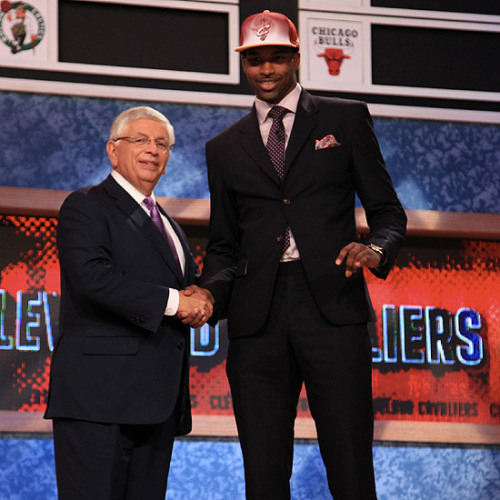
[196,305]
[356,255]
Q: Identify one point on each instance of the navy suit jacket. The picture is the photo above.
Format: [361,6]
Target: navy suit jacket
[117,358]
[251,207]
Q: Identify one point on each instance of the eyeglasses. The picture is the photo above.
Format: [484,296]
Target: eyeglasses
[142,142]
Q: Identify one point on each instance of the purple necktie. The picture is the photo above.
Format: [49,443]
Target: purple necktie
[155,215]
[276,149]
[276,140]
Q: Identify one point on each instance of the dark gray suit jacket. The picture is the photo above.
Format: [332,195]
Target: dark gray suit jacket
[250,209]
[117,359]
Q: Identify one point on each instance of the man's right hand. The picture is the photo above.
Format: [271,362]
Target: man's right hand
[196,305]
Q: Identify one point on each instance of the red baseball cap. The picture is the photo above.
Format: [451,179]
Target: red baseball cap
[267,28]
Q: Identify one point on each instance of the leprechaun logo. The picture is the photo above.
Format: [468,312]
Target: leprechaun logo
[21,26]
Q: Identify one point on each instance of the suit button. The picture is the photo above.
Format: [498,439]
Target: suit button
[279,238]
[286,201]
[180,345]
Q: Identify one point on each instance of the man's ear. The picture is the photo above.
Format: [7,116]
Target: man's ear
[296,59]
[112,154]
[164,168]
[244,62]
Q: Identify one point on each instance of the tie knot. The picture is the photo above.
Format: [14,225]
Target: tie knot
[277,112]
[149,202]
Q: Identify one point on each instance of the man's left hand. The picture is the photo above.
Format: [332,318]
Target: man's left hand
[356,256]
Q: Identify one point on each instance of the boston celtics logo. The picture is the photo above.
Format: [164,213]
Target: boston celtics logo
[21,26]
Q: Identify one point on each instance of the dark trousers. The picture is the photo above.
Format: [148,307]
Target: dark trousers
[97,461]
[266,373]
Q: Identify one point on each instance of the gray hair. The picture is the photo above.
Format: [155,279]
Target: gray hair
[125,118]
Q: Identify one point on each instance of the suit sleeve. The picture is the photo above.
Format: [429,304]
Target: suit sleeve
[91,267]
[220,263]
[384,213]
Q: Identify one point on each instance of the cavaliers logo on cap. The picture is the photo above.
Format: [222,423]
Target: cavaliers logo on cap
[262,25]
[263,31]
[267,28]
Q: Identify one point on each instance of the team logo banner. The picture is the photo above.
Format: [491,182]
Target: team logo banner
[333,51]
[23,28]
[435,344]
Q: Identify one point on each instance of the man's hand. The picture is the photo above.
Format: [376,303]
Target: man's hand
[196,305]
[356,256]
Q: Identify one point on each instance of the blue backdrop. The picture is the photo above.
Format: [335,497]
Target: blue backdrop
[213,470]
[59,143]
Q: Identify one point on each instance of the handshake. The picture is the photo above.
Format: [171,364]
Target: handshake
[196,305]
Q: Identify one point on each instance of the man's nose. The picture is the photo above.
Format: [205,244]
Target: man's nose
[267,68]
[153,147]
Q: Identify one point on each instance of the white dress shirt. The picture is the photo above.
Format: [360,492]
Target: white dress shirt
[290,102]
[173,296]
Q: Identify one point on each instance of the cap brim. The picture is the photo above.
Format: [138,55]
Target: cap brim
[252,46]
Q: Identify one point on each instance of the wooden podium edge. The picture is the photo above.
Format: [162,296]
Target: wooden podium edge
[196,212]
[224,426]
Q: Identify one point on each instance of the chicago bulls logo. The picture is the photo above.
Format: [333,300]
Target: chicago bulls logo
[335,42]
[334,59]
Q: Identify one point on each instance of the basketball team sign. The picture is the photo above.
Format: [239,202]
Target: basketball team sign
[435,344]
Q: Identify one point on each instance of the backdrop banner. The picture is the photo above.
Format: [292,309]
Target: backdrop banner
[435,344]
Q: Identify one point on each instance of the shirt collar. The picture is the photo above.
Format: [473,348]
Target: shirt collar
[131,190]
[290,102]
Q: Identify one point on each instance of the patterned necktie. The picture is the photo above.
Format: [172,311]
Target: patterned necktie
[276,149]
[155,215]
[276,140]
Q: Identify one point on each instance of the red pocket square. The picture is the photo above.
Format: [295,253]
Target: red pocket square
[328,141]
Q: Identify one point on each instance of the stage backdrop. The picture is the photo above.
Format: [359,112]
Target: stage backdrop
[435,344]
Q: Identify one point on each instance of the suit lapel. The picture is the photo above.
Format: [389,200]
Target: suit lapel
[139,217]
[184,243]
[304,123]
[251,141]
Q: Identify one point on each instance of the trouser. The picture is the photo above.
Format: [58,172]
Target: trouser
[96,461]
[266,372]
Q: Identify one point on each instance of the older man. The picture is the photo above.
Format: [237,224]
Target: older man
[119,380]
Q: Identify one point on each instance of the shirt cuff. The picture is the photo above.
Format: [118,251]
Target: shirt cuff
[172,302]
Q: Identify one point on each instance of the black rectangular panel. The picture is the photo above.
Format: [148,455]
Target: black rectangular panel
[143,37]
[481,7]
[435,58]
